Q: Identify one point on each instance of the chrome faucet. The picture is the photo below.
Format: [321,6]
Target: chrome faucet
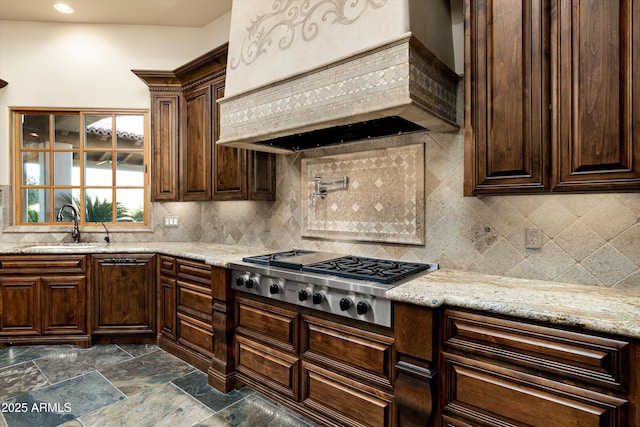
[76,218]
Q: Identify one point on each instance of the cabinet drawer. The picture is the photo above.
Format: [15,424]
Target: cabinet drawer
[598,360]
[271,325]
[480,391]
[195,300]
[168,266]
[51,264]
[276,370]
[194,271]
[349,403]
[195,334]
[354,351]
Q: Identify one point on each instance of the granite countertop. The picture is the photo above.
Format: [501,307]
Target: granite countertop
[594,308]
[218,255]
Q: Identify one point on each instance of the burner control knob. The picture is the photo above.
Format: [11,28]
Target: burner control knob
[362,308]
[250,283]
[303,295]
[274,289]
[240,281]
[345,304]
[318,298]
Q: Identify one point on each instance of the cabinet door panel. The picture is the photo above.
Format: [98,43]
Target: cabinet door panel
[230,177]
[277,370]
[507,97]
[195,173]
[164,147]
[479,390]
[353,351]
[195,334]
[269,324]
[347,402]
[64,305]
[167,307]
[20,306]
[194,300]
[598,114]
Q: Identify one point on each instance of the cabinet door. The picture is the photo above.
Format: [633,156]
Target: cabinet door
[20,306]
[167,307]
[64,301]
[195,172]
[124,294]
[164,147]
[597,46]
[506,95]
[262,175]
[476,391]
[230,164]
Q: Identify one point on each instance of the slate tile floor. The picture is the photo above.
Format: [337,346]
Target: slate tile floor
[122,385]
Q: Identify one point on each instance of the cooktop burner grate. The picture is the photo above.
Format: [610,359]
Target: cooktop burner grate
[373,269]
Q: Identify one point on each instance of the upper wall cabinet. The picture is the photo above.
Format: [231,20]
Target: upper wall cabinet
[552,98]
[186,163]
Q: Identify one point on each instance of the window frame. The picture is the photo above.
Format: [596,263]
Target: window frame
[21,219]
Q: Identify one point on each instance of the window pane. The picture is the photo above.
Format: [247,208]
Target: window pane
[35,131]
[66,168]
[98,131]
[98,205]
[130,204]
[98,169]
[35,205]
[61,197]
[130,170]
[129,132]
[35,168]
[67,131]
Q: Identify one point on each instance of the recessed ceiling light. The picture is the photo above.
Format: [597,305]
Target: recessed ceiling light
[64,8]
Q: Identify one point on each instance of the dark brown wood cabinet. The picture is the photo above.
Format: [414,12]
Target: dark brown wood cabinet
[187,163]
[335,373]
[195,317]
[551,96]
[43,299]
[468,368]
[124,298]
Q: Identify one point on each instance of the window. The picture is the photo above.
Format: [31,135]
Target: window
[74,157]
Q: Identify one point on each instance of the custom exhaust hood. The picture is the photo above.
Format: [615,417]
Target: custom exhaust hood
[309,73]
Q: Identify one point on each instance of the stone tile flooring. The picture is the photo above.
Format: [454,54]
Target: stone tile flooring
[122,385]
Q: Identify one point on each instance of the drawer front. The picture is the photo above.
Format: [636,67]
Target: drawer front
[349,403]
[168,266]
[194,271]
[194,300]
[354,351]
[195,334]
[271,325]
[595,359]
[43,264]
[274,369]
[479,391]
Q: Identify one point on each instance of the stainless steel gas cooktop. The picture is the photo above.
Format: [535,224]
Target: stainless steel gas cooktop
[345,285]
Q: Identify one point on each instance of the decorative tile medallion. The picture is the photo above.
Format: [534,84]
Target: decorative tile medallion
[383,200]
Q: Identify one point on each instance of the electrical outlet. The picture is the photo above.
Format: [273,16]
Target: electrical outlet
[532,238]
[170,221]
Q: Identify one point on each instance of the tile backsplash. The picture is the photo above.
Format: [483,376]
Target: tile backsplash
[592,239]
[375,195]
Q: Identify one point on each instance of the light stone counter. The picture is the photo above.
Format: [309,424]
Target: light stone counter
[216,255]
[599,309]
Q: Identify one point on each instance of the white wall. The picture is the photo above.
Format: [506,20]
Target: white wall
[81,66]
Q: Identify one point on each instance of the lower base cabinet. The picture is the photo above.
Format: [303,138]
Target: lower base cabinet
[43,300]
[335,374]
